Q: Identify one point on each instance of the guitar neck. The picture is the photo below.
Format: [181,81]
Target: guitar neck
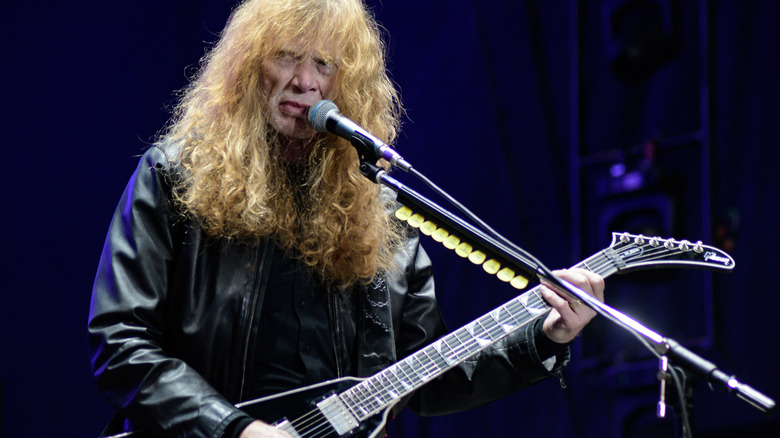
[384,388]
[627,252]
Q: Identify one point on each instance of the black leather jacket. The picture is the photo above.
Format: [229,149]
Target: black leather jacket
[174,318]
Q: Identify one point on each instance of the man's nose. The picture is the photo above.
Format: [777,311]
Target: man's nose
[305,76]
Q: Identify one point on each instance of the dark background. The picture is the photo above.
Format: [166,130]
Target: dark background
[556,121]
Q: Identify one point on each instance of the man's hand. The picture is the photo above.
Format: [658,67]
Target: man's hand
[258,429]
[569,316]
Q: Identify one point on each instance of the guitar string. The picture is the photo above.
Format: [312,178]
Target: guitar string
[307,421]
[601,262]
[434,366]
[649,254]
[490,326]
[313,426]
[375,401]
[461,347]
[427,368]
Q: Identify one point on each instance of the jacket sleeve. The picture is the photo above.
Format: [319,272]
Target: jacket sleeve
[524,357]
[127,347]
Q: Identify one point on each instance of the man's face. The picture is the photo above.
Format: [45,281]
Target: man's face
[292,82]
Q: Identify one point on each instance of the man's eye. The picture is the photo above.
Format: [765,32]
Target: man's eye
[325,67]
[287,55]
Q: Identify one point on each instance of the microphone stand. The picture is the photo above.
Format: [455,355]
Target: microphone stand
[669,351]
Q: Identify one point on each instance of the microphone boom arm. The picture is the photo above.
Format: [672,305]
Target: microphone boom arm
[658,344]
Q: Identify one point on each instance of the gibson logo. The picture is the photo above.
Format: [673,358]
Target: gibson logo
[711,256]
[631,253]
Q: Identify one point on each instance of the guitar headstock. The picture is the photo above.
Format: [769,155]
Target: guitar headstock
[635,251]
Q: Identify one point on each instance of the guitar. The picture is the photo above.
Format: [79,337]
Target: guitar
[355,407]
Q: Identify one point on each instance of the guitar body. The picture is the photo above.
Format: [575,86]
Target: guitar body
[296,412]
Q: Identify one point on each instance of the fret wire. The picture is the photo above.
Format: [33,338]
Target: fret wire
[506,325]
[538,295]
[411,366]
[433,361]
[384,382]
[585,265]
[510,313]
[649,254]
[431,367]
[412,377]
[527,315]
[486,330]
[349,399]
[419,356]
[377,393]
[393,379]
[489,328]
[524,307]
[388,389]
[466,346]
[497,322]
[422,365]
[406,380]
[369,405]
[452,352]
[365,394]
[484,326]
[427,366]
[361,394]
[538,299]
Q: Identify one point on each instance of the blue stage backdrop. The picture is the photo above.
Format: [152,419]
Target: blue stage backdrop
[556,121]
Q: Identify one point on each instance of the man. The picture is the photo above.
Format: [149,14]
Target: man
[248,256]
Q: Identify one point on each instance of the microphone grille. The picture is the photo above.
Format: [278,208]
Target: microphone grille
[318,114]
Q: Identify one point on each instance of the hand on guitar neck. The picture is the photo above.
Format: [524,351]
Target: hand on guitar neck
[569,316]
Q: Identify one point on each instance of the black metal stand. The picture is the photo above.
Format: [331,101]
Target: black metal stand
[670,352]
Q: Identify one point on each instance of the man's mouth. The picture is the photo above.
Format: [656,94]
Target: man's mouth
[294,108]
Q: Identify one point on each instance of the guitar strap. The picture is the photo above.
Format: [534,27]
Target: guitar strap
[375,339]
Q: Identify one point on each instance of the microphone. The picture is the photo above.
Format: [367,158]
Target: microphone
[324,116]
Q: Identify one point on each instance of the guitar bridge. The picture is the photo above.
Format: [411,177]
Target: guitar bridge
[337,414]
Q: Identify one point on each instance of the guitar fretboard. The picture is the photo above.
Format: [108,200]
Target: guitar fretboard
[377,392]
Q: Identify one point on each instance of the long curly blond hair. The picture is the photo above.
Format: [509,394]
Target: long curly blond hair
[234,181]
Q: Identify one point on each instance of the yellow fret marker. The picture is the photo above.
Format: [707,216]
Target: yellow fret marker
[403,213]
[451,242]
[477,257]
[491,266]
[416,220]
[440,234]
[463,250]
[428,228]
[505,274]
[519,282]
